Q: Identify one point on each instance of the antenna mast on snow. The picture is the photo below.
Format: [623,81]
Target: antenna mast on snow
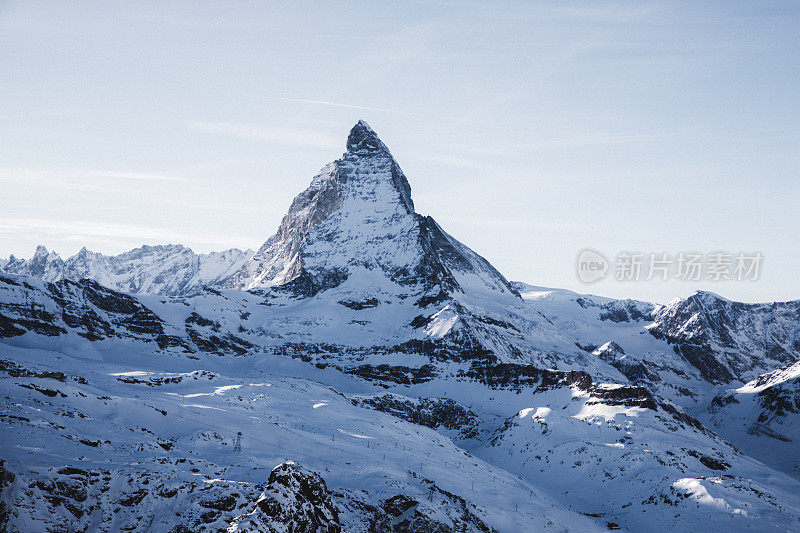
[237,444]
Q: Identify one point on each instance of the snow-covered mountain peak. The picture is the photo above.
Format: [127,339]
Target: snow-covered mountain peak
[750,338]
[357,215]
[43,255]
[369,165]
[43,264]
[708,296]
[363,139]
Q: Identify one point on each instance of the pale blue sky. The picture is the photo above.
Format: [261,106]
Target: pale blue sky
[528,131]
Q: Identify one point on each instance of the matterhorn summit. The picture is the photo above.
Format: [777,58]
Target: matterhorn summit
[356,221]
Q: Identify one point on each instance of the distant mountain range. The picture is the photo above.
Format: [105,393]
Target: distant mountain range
[172,270]
[384,377]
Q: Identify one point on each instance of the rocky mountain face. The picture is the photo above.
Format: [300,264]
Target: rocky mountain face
[398,381]
[171,270]
[728,340]
[295,500]
[357,220]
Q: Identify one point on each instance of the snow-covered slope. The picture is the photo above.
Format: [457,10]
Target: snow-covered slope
[172,270]
[116,417]
[762,417]
[691,345]
[384,378]
[123,440]
[619,454]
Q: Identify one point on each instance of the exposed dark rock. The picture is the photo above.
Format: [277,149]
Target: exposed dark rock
[360,304]
[223,503]
[47,392]
[516,376]
[397,505]
[207,336]
[714,464]
[495,322]
[195,318]
[780,401]
[16,371]
[6,479]
[395,374]
[628,396]
[434,299]
[620,310]
[134,498]
[430,412]
[420,321]
[297,499]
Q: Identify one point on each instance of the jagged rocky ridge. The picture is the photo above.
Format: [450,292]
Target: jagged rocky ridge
[172,270]
[729,340]
[295,500]
[375,349]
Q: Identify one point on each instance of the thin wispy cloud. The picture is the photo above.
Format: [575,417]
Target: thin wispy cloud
[569,142]
[336,104]
[309,138]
